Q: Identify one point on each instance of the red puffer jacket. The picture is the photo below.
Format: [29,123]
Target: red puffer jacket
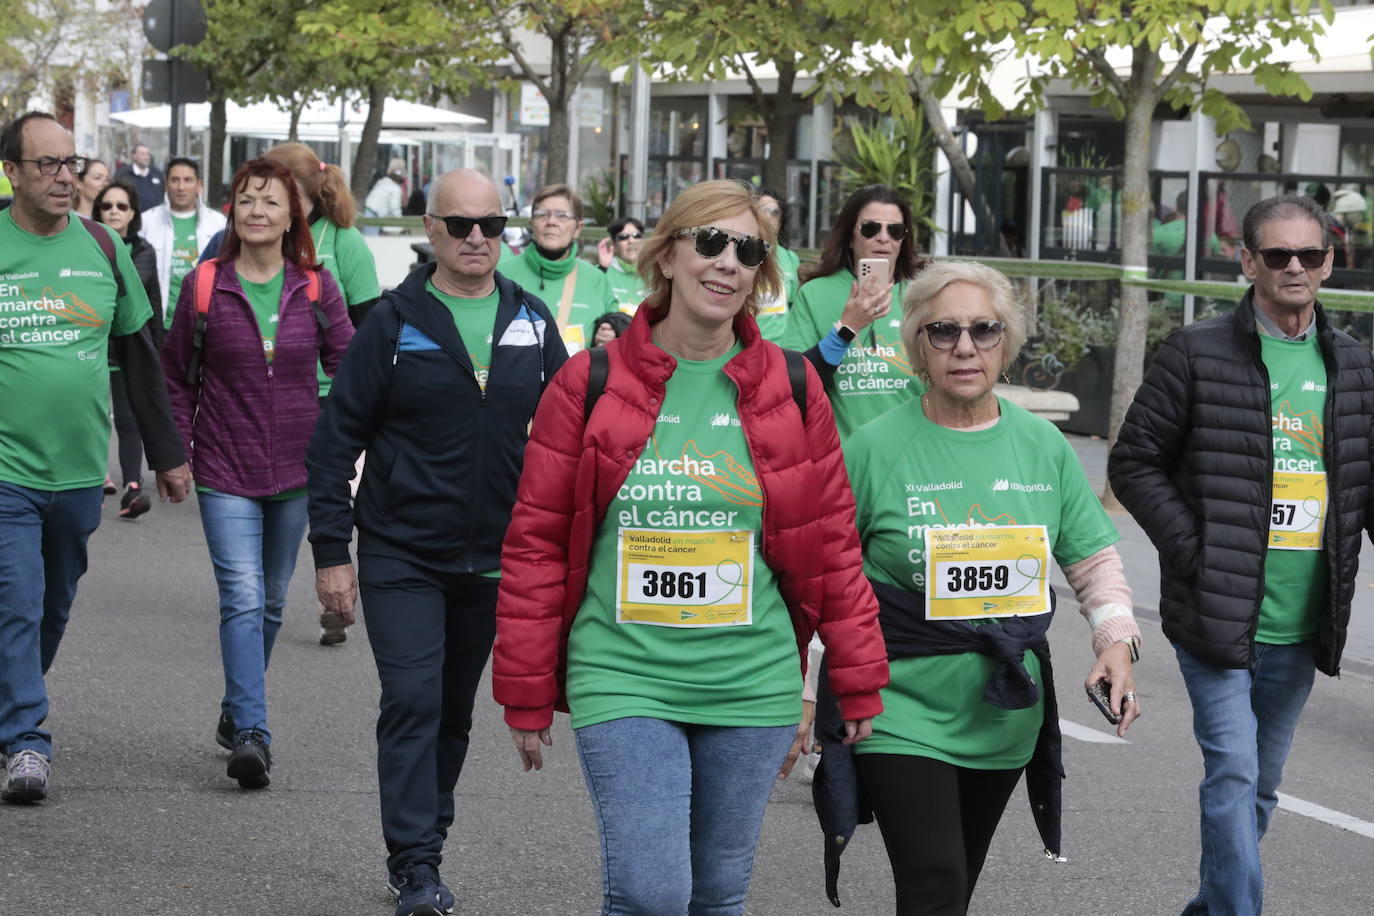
[573,470]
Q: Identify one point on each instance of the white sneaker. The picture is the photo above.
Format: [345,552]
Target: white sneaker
[26,778]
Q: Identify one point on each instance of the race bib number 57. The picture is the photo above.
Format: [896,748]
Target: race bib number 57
[1297,513]
[977,573]
[685,578]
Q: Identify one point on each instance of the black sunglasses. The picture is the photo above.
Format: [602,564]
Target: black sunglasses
[460,227]
[944,335]
[111,205]
[626,236]
[710,242]
[871,227]
[1279,258]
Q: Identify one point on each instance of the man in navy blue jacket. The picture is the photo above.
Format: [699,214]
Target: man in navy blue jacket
[439,386]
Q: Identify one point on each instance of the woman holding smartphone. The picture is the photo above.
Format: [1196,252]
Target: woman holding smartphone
[850,316]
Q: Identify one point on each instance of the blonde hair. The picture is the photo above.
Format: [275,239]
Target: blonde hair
[559,190]
[323,184]
[930,282]
[701,205]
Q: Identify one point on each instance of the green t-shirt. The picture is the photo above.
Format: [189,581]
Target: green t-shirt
[772,316]
[1295,580]
[344,253]
[626,286]
[265,300]
[875,374]
[540,277]
[476,320]
[58,308]
[184,255]
[666,628]
[910,475]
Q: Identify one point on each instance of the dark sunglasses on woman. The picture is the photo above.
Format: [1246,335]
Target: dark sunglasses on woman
[871,227]
[626,236]
[710,242]
[111,205]
[1279,258]
[460,227]
[944,335]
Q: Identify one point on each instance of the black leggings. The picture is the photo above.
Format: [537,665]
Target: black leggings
[126,427]
[937,821]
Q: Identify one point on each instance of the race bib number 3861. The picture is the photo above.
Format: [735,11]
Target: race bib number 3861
[685,578]
[976,573]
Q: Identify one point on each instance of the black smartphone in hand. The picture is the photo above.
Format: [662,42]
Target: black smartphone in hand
[1101,695]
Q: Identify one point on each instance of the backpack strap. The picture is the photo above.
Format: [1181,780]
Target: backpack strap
[796,374]
[312,292]
[204,292]
[597,374]
[107,245]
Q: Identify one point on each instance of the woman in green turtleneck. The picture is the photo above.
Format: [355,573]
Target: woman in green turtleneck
[545,267]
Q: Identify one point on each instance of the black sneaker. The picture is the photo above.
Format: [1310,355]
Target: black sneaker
[134,502]
[396,883]
[251,761]
[26,778]
[224,731]
[417,891]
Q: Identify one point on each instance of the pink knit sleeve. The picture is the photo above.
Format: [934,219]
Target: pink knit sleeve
[1104,598]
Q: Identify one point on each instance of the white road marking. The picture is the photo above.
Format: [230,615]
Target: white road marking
[1083,733]
[1326,815]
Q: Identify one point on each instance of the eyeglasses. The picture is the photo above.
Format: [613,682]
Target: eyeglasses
[773,212]
[49,165]
[1280,258]
[710,242]
[460,227]
[560,216]
[944,335]
[106,205]
[871,227]
[626,236]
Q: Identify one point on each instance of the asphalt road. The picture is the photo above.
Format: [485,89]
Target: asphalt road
[142,819]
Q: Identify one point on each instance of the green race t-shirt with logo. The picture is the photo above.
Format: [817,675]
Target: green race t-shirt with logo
[1295,580]
[772,316]
[265,300]
[875,374]
[58,309]
[184,255]
[626,286]
[682,619]
[545,279]
[915,481]
[344,253]
[476,320]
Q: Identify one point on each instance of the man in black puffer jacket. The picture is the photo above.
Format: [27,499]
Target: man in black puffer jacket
[1246,459]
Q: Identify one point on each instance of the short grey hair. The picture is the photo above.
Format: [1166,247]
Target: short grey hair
[1285,206]
[929,283]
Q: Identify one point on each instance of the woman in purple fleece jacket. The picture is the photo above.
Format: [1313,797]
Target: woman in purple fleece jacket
[245,405]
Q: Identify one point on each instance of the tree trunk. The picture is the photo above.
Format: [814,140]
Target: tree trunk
[293,133]
[560,130]
[958,162]
[780,114]
[214,166]
[365,162]
[1136,205]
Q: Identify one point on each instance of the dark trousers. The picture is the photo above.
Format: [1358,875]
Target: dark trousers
[937,821]
[126,428]
[431,633]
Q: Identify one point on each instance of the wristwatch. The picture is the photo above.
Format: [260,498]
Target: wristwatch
[1134,645]
[846,334]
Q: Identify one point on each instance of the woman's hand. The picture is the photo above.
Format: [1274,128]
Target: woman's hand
[866,304]
[337,589]
[527,745]
[802,743]
[856,730]
[1114,666]
[605,253]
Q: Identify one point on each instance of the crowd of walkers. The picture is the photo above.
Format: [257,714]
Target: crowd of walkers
[654,518]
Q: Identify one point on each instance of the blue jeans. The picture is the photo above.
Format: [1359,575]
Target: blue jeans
[1244,721]
[43,536]
[253,546]
[679,808]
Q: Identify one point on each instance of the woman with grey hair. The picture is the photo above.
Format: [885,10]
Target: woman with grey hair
[963,499]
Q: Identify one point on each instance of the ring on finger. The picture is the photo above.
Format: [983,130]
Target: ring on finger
[1128,697]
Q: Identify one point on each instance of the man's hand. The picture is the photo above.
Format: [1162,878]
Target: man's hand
[337,589]
[174,484]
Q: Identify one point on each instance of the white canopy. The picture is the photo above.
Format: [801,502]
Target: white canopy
[319,120]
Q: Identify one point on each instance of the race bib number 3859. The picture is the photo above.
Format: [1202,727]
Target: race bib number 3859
[685,578]
[976,573]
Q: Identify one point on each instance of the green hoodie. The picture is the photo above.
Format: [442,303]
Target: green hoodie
[626,285]
[591,298]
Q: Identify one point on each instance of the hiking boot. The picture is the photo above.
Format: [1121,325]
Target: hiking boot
[417,891]
[251,760]
[332,629]
[446,902]
[26,778]
[134,502]
[224,731]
